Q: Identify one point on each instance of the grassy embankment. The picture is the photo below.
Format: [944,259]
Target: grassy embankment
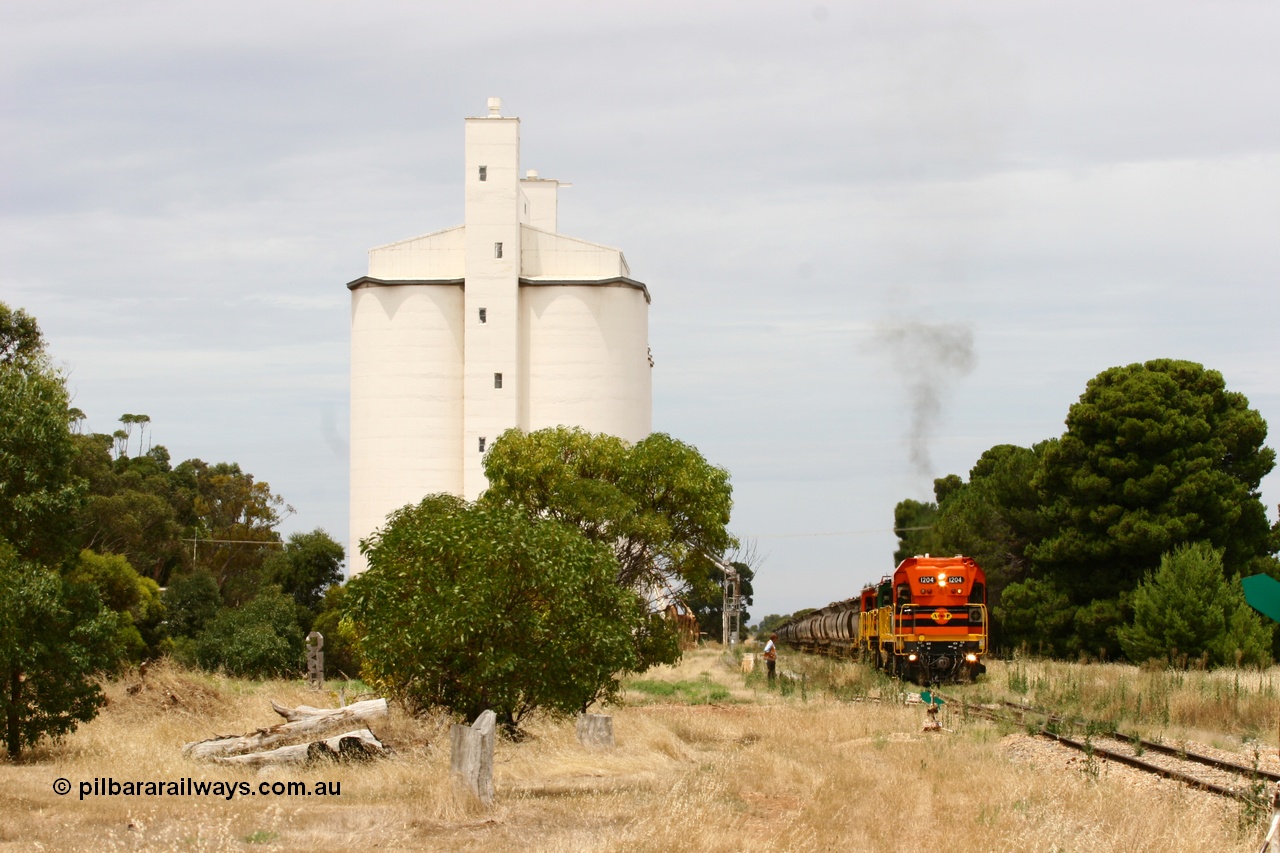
[707,759]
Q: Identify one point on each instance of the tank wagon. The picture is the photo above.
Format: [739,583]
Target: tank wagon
[927,622]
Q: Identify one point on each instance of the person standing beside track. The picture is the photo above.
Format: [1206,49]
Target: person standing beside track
[771,656]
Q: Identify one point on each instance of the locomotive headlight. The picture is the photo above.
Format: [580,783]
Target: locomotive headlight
[911,657]
[971,657]
[942,578]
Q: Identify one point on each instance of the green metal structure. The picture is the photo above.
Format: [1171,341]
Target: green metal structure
[1262,592]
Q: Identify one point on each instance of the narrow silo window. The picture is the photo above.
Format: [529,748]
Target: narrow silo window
[497,380]
[484,173]
[497,250]
[484,316]
[482,444]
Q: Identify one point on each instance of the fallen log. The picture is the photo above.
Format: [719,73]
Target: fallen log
[303,712]
[308,724]
[354,745]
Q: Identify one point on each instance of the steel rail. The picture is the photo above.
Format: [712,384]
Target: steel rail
[1164,749]
[1090,749]
[1216,763]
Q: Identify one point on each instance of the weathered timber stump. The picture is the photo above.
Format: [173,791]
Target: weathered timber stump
[595,731]
[471,756]
[315,660]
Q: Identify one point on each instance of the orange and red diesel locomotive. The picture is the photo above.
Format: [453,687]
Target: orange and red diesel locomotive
[927,622]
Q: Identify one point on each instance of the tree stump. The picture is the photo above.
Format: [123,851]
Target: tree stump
[471,756]
[315,659]
[596,731]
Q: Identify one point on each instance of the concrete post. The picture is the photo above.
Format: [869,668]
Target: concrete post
[471,756]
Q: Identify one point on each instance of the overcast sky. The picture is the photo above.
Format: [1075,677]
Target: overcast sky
[881,237]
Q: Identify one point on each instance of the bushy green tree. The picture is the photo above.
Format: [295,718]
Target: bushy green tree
[54,634]
[54,637]
[260,639]
[658,503]
[341,644]
[38,493]
[1155,455]
[135,507]
[148,511]
[1036,614]
[135,600]
[913,523]
[305,567]
[475,607]
[20,339]
[190,602]
[1188,609]
[233,513]
[993,516]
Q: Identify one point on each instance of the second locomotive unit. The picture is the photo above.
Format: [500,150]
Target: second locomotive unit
[927,622]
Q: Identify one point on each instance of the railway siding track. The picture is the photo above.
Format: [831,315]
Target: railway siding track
[1219,776]
[1229,780]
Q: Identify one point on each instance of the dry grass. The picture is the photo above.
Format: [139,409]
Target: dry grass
[1228,706]
[749,769]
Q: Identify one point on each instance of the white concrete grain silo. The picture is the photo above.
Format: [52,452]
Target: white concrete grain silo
[461,334]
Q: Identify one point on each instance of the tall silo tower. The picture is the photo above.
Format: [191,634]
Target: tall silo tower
[461,334]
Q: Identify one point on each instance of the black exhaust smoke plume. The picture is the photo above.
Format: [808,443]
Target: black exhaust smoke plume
[928,358]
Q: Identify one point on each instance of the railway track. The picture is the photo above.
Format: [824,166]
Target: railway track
[1226,778]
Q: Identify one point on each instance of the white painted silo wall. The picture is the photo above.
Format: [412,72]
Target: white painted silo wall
[406,400]
[585,358]
[441,255]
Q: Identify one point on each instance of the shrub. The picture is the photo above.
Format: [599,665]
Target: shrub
[191,601]
[258,640]
[1187,607]
[54,636]
[474,608]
